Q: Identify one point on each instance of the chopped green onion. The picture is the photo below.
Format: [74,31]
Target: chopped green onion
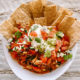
[16,41]
[65,57]
[38,40]
[25,31]
[18,34]
[22,47]
[30,39]
[70,56]
[59,34]
[31,47]
[47,53]
[50,29]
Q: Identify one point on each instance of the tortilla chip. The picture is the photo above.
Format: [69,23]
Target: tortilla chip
[44,2]
[50,13]
[20,17]
[36,8]
[26,9]
[42,21]
[60,15]
[70,26]
[66,23]
[6,29]
[74,33]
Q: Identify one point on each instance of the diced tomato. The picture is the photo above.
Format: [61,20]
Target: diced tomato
[59,59]
[36,69]
[44,59]
[32,52]
[51,34]
[65,43]
[53,56]
[14,55]
[29,43]
[64,48]
[62,61]
[14,45]
[57,48]
[54,28]
[65,38]
[20,40]
[49,61]
[44,34]
[33,33]
[59,43]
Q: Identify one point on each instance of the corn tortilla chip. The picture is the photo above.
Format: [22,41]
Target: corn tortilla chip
[44,2]
[74,33]
[60,15]
[36,8]
[26,9]
[6,29]
[42,21]
[70,26]
[50,13]
[20,17]
[66,23]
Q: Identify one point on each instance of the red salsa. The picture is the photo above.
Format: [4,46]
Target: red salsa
[40,49]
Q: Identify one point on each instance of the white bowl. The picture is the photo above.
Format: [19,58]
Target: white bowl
[27,75]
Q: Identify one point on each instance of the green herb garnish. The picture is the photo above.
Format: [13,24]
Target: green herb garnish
[25,31]
[30,39]
[18,34]
[66,57]
[22,47]
[59,34]
[70,56]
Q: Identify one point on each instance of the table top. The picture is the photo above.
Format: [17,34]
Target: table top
[7,7]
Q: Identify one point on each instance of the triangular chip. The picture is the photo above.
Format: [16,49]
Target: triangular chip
[66,23]
[20,17]
[44,2]
[74,33]
[70,26]
[60,15]
[36,8]
[42,21]
[26,9]
[50,13]
[6,29]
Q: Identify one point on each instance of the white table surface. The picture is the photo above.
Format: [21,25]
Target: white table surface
[7,7]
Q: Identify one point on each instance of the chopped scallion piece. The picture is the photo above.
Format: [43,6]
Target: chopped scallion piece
[30,39]
[25,31]
[65,57]
[70,56]
[59,34]
[22,47]
[47,53]
[38,40]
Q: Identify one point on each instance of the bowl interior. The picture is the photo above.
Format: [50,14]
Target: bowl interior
[27,75]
